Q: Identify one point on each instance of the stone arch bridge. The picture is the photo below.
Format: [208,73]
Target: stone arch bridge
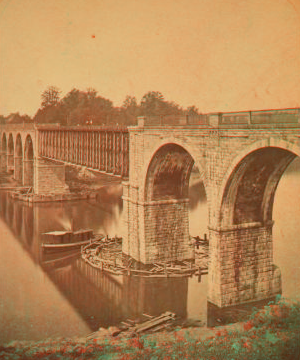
[241,158]
[26,148]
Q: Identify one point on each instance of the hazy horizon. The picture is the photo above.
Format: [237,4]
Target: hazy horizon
[217,55]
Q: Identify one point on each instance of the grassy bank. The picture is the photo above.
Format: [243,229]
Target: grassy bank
[271,333]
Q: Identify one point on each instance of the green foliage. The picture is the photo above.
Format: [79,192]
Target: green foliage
[271,333]
[88,108]
[15,118]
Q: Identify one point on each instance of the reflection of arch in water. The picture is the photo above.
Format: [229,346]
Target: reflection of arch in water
[155,295]
[29,224]
[3,204]
[18,218]
[10,213]
[103,299]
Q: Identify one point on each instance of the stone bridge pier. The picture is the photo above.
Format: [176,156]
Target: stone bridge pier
[240,167]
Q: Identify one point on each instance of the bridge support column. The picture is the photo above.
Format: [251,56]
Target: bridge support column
[3,161]
[28,169]
[156,230]
[10,162]
[18,174]
[241,265]
[49,178]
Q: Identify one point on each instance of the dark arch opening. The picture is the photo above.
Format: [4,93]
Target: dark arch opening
[28,162]
[10,152]
[19,159]
[249,194]
[3,165]
[168,173]
[28,153]
[19,150]
[4,143]
[10,144]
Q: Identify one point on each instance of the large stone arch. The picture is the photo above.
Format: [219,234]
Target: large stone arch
[18,174]
[253,177]
[3,164]
[10,152]
[28,162]
[241,234]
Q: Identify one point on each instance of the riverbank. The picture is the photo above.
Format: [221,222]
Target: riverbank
[270,333]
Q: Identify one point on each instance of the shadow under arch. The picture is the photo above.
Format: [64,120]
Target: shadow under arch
[10,153]
[4,153]
[248,196]
[168,173]
[19,159]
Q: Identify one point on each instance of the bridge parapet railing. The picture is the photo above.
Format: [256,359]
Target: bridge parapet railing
[263,118]
[18,127]
[84,128]
[281,118]
[172,120]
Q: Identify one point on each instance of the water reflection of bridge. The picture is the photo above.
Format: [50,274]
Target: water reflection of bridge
[104,299]
[100,298]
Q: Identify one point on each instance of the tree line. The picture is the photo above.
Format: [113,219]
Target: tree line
[88,108]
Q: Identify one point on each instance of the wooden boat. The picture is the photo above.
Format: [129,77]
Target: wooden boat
[58,241]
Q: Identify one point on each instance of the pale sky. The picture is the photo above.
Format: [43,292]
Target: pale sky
[220,55]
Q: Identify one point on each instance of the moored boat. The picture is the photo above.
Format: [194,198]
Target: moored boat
[58,241]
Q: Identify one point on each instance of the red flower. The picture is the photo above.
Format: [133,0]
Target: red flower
[248,325]
[246,345]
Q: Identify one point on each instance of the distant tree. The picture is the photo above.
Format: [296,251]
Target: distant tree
[130,102]
[50,96]
[129,111]
[85,107]
[91,94]
[50,114]
[2,119]
[153,103]
[16,118]
[192,110]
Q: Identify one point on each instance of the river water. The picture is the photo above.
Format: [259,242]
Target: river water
[72,299]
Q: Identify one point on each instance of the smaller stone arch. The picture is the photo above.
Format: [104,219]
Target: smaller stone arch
[168,173]
[167,142]
[28,162]
[3,162]
[19,160]
[10,153]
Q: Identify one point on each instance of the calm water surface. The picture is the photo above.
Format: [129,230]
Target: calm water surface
[72,299]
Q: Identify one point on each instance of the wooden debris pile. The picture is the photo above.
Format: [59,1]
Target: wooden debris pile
[131,328]
[106,255]
[153,324]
